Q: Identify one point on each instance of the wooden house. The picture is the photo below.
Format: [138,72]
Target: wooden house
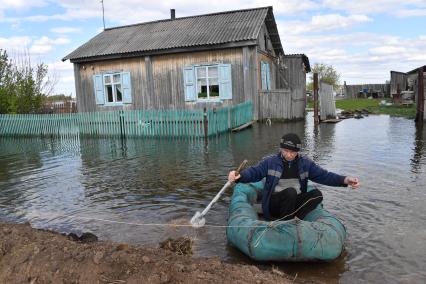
[203,61]
[411,83]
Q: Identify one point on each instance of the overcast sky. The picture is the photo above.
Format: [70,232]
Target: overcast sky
[362,39]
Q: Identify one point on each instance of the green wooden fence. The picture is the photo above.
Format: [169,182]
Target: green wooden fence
[134,123]
[223,119]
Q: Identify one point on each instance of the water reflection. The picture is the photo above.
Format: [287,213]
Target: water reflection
[418,153]
[49,182]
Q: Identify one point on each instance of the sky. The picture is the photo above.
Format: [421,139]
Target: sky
[363,40]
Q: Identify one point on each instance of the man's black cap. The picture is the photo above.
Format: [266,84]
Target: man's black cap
[291,141]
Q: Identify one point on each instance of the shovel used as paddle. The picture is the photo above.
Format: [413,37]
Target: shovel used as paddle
[198,220]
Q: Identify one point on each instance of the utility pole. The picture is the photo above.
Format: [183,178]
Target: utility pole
[103,13]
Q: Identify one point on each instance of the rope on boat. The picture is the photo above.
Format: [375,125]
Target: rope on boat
[272,223]
[134,223]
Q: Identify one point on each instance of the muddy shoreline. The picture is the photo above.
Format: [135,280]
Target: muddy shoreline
[29,255]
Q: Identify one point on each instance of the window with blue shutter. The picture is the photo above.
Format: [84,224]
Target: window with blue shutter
[208,82]
[189,83]
[113,88]
[225,82]
[99,89]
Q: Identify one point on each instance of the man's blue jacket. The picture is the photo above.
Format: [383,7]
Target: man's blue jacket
[272,167]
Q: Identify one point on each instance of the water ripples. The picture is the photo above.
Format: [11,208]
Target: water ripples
[58,184]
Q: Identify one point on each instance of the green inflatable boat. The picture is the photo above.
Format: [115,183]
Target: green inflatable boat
[320,236]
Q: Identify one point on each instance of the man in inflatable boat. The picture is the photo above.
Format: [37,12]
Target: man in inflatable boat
[287,174]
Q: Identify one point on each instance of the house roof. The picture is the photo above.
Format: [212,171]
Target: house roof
[399,72]
[304,58]
[239,27]
[412,71]
[417,69]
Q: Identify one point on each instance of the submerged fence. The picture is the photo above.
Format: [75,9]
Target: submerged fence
[135,123]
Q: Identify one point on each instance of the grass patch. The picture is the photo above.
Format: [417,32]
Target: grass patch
[404,111]
[373,106]
[354,104]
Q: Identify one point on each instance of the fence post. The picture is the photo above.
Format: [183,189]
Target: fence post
[229,117]
[206,121]
[122,129]
[215,121]
[316,118]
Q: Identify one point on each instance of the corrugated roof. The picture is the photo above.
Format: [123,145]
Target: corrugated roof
[203,30]
[304,58]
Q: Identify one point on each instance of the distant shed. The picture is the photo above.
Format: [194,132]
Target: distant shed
[409,82]
[398,82]
[366,90]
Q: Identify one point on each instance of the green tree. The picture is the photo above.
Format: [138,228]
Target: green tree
[7,96]
[23,87]
[326,74]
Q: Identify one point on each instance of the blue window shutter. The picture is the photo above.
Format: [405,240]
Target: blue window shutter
[268,76]
[99,89]
[225,82]
[263,75]
[189,83]
[127,87]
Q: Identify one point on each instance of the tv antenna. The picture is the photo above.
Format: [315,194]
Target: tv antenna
[103,13]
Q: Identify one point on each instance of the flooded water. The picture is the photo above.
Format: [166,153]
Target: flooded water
[111,187]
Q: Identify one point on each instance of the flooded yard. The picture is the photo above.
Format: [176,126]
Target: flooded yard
[111,187]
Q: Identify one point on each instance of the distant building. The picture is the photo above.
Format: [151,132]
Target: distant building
[191,62]
[366,90]
[60,106]
[406,86]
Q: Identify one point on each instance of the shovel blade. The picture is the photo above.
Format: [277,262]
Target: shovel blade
[198,220]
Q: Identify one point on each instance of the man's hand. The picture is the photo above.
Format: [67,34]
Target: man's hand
[352,182]
[232,177]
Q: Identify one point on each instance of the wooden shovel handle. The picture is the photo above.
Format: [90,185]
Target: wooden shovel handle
[241,167]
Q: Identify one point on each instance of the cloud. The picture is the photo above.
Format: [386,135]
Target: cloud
[388,50]
[333,21]
[44,44]
[15,43]
[64,30]
[287,7]
[360,57]
[133,11]
[322,23]
[410,13]
[21,4]
[370,7]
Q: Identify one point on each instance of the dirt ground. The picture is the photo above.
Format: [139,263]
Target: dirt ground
[33,256]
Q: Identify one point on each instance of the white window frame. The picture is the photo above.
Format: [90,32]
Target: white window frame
[114,90]
[207,78]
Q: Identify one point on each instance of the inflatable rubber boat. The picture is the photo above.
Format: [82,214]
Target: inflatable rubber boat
[319,236]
